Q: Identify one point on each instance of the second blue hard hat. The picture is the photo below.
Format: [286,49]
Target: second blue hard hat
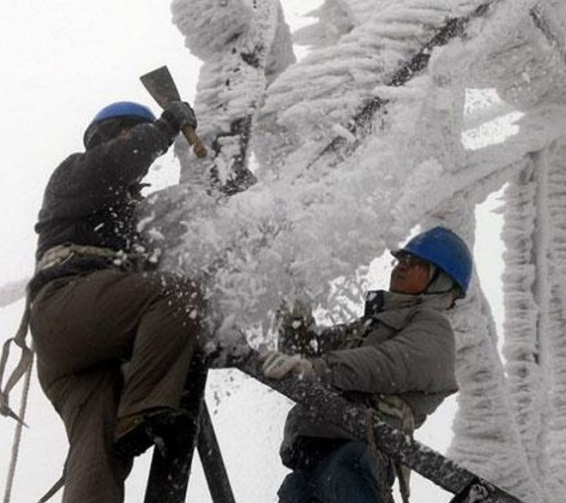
[446,250]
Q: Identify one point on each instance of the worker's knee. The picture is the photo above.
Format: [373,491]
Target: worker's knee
[176,316]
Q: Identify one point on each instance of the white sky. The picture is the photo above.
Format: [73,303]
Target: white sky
[61,61]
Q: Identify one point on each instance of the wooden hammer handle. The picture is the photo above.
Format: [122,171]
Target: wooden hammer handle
[198,146]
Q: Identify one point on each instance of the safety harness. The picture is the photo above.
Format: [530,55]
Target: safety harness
[22,367]
[391,406]
[56,256]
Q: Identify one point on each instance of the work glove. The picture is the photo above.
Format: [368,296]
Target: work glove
[178,114]
[276,365]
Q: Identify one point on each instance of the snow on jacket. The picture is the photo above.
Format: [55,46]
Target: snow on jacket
[88,198]
[403,346]
[91,198]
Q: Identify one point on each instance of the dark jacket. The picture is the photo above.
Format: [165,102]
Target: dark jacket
[91,198]
[405,347]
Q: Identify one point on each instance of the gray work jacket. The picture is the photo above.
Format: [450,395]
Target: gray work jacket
[405,348]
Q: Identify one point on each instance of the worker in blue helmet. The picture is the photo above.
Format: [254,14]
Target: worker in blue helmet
[107,122]
[97,302]
[446,251]
[398,359]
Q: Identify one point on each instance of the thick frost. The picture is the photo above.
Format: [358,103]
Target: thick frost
[299,120]
[307,227]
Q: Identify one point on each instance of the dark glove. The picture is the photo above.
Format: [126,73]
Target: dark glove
[178,114]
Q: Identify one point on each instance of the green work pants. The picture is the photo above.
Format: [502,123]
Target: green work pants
[84,330]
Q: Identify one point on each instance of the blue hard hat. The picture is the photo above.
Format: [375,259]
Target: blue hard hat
[124,109]
[444,249]
[120,109]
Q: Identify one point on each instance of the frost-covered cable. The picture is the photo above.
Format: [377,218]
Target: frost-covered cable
[542,241]
[337,79]
[521,348]
[555,441]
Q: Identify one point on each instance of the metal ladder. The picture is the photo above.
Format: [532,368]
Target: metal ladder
[171,465]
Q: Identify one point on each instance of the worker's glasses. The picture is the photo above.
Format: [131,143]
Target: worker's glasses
[407,260]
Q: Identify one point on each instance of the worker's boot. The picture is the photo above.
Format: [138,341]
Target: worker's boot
[136,433]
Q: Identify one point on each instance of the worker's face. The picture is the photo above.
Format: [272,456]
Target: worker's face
[410,275]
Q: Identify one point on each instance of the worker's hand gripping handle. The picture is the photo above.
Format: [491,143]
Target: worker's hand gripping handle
[161,86]
[194,141]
